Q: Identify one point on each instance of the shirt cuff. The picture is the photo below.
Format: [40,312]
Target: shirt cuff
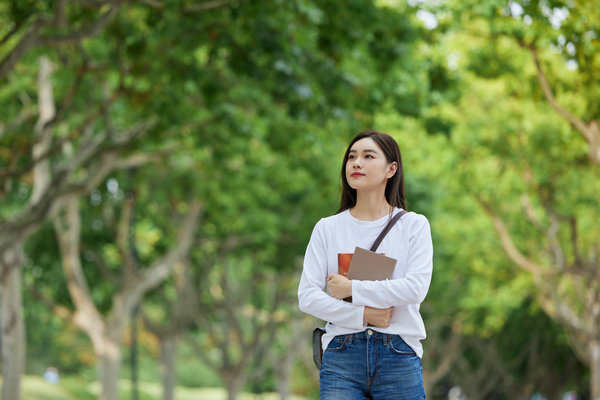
[357,299]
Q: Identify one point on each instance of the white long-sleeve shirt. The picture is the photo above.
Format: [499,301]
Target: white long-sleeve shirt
[409,242]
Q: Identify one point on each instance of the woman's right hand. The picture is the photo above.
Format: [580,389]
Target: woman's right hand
[379,317]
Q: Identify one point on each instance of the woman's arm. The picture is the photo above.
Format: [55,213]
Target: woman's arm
[312,298]
[413,287]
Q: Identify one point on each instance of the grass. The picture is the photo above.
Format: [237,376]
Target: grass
[36,388]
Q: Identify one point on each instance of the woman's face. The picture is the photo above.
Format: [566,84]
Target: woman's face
[367,167]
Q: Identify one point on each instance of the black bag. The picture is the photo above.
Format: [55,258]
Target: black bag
[317,346]
[318,332]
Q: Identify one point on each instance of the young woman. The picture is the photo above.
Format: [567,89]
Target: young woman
[372,346]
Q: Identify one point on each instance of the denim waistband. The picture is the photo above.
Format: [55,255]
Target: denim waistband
[368,334]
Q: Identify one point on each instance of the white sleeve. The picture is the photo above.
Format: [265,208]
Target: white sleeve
[312,298]
[412,288]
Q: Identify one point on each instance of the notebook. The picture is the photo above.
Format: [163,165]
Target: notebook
[369,266]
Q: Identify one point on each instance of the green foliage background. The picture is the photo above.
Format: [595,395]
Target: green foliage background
[250,106]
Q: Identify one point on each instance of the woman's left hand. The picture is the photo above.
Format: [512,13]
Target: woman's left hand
[340,287]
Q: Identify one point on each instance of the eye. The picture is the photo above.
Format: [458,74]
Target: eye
[351,157]
[369,156]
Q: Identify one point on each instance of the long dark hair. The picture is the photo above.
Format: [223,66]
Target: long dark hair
[394,190]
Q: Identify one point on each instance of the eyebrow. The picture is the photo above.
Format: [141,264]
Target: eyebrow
[365,151]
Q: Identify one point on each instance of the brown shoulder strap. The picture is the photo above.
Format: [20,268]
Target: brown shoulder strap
[387,228]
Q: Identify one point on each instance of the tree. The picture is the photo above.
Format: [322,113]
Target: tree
[476,295]
[52,183]
[176,320]
[296,76]
[106,333]
[239,327]
[542,223]
[531,69]
[34,179]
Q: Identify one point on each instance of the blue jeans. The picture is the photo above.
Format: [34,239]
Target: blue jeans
[371,365]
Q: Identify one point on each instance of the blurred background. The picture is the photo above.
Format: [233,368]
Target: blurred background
[163,163]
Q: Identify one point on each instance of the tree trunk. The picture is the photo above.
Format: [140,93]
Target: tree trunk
[168,353]
[106,333]
[134,358]
[283,379]
[285,364]
[233,384]
[441,355]
[595,369]
[13,327]
[109,364]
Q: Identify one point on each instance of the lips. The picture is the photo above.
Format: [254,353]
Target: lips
[356,174]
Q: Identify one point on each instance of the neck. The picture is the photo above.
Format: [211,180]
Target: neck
[370,206]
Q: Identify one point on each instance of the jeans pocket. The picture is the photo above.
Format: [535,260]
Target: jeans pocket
[397,345]
[338,343]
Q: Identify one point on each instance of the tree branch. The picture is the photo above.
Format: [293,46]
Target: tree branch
[156,328]
[26,114]
[33,39]
[58,310]
[558,309]
[536,270]
[92,3]
[202,354]
[123,237]
[591,131]
[23,224]
[54,149]
[90,30]
[28,41]
[187,295]
[555,246]
[153,3]
[109,162]
[89,145]
[207,5]
[14,30]
[155,274]
[58,146]
[14,230]
[579,344]
[574,238]
[43,135]
[448,355]
[68,230]
[94,257]
[572,119]
[265,335]
[70,95]
[60,19]
[529,212]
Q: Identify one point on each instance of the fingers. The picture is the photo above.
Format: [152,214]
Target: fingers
[385,317]
[379,317]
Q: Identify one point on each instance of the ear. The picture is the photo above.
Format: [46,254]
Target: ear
[391,169]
